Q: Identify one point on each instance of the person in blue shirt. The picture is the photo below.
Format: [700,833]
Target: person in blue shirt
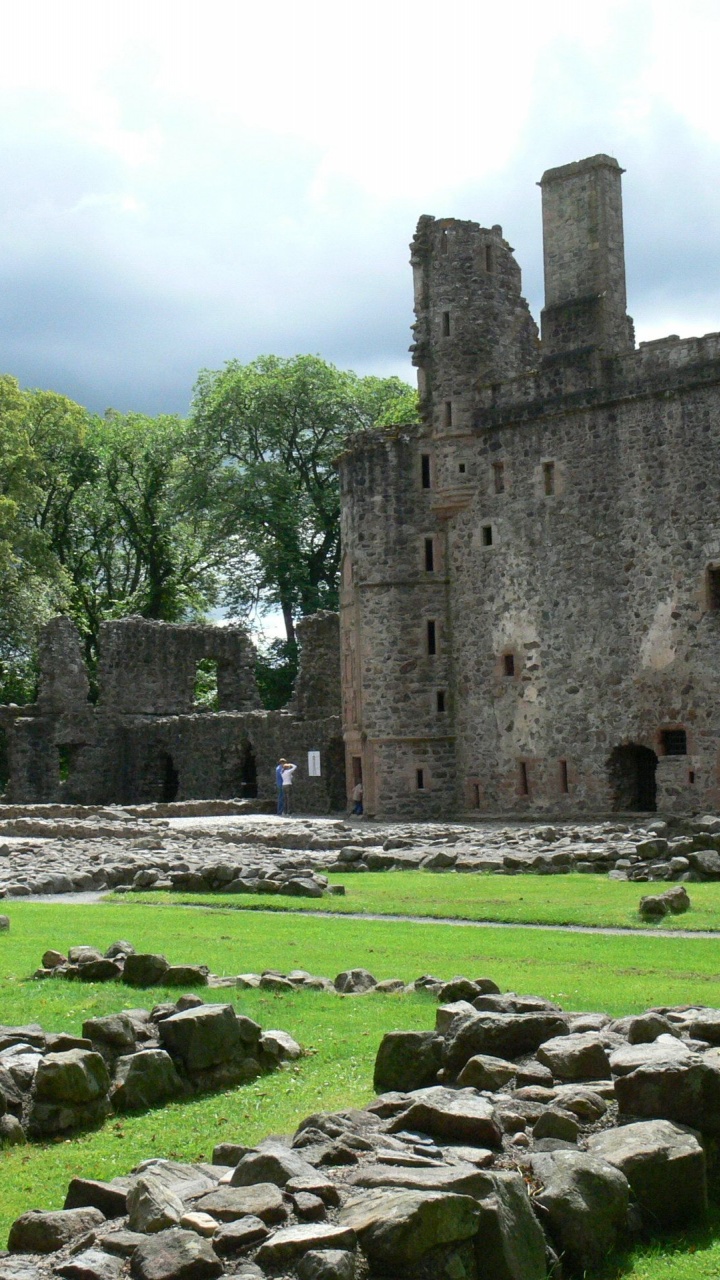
[279,785]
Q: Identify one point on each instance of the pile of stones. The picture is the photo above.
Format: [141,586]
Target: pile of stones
[514,1141]
[114,850]
[128,1061]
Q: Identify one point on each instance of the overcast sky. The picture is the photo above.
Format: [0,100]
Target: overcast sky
[188,181]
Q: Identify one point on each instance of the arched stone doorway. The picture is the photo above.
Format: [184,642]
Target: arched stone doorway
[169,778]
[631,772]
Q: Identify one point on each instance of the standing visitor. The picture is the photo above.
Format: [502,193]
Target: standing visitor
[287,781]
[357,796]
[279,784]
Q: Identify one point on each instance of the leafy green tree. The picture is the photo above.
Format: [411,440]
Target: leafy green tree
[32,585]
[267,435]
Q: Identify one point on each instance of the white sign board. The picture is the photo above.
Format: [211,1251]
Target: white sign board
[313,764]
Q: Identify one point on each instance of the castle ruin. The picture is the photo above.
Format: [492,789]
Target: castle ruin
[530,598]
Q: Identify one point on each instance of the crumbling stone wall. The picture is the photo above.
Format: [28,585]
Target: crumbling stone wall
[146,741]
[560,531]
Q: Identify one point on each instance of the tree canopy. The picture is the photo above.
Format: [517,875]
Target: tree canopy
[269,433]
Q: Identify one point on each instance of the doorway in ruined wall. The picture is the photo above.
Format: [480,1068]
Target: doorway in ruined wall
[335,775]
[631,773]
[247,772]
[169,778]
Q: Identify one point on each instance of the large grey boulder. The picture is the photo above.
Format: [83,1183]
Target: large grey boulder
[683,1089]
[273,1163]
[202,1037]
[397,1229]
[91,1264]
[145,970]
[665,1166]
[509,1244]
[575,1057]
[355,982]
[152,1206]
[407,1060]
[38,1232]
[111,1035]
[109,1197]
[584,1203]
[327,1264]
[485,1072]
[175,1255]
[145,1079]
[261,1200]
[500,1035]
[460,1115]
[289,1243]
[70,1091]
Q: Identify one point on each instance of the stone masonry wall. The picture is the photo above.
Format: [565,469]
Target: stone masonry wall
[575,573]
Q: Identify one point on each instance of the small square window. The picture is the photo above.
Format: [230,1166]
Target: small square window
[487,535]
[461,468]
[674,742]
[509,664]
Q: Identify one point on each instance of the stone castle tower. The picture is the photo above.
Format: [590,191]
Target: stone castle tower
[530,603]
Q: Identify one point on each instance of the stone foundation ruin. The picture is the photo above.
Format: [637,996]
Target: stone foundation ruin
[147,741]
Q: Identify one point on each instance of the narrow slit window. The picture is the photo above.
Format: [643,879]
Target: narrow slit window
[488,259]
[431,638]
[713,587]
[447,413]
[691,778]
[487,535]
[564,777]
[476,795]
[420,779]
[524,781]
[446,324]
[440,702]
[444,242]
[509,664]
[425,470]
[499,477]
[429,555]
[674,742]
[548,478]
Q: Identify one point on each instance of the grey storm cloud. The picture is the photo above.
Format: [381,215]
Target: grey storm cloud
[119,281]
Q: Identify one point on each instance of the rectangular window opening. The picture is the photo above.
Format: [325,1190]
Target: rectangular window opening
[673,742]
[509,664]
[447,413]
[440,701]
[420,779]
[446,324]
[691,778]
[444,242]
[67,755]
[487,535]
[476,795]
[431,638]
[488,258]
[549,478]
[425,470]
[499,477]
[461,468]
[429,555]
[564,777]
[713,586]
[523,780]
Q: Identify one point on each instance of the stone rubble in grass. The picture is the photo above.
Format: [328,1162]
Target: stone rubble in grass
[135,850]
[581,1132]
[53,1085]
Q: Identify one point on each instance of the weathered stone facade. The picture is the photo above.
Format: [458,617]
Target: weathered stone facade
[530,614]
[145,740]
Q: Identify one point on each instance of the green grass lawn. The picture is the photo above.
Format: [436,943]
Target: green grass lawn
[619,974]
[522,899]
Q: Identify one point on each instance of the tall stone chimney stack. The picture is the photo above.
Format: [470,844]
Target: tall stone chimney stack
[584,256]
